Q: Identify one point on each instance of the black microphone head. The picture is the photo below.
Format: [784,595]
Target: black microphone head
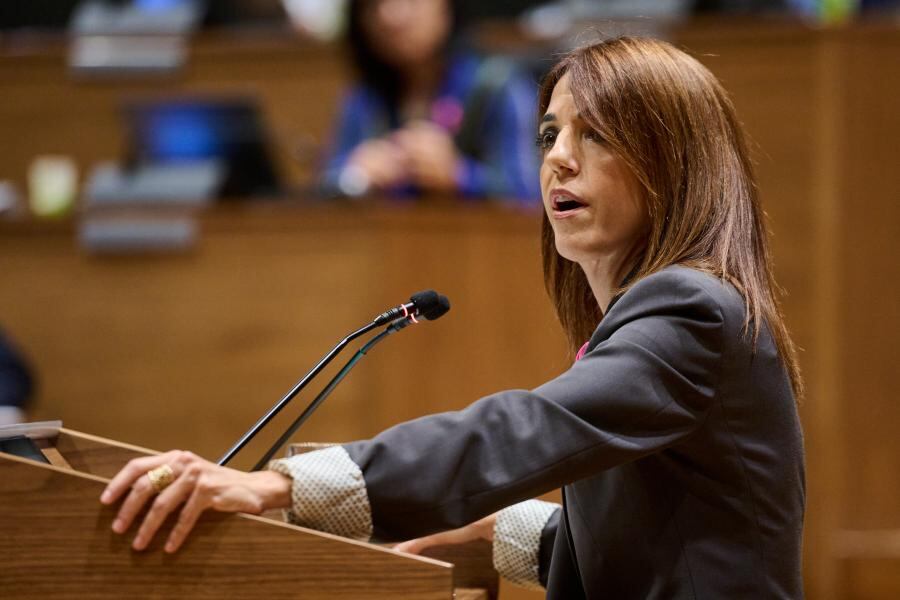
[439,309]
[430,304]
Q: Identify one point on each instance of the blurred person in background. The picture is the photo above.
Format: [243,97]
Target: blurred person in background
[428,115]
[16,383]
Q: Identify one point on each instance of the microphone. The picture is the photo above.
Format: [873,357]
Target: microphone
[428,304]
[439,309]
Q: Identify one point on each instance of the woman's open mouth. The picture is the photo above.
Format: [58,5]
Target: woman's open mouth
[565,203]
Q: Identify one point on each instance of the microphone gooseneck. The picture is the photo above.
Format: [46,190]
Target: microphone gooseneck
[427,304]
[394,327]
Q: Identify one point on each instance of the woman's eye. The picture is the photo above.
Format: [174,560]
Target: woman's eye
[594,136]
[545,139]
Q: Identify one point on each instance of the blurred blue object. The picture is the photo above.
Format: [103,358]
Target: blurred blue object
[184,131]
[146,17]
[160,5]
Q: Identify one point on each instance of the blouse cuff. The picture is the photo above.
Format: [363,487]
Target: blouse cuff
[328,493]
[517,541]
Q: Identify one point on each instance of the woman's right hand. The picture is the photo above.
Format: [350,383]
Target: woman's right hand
[482,529]
[195,486]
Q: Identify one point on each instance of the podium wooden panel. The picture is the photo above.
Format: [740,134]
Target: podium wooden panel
[57,542]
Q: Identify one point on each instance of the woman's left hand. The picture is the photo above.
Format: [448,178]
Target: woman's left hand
[482,529]
[197,483]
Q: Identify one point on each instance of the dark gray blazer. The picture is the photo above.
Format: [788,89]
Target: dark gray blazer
[678,448]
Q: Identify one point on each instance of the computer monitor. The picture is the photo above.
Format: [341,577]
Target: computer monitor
[181,130]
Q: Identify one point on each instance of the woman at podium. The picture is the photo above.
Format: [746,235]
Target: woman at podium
[674,435]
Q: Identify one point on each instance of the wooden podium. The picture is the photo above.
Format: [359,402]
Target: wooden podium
[56,542]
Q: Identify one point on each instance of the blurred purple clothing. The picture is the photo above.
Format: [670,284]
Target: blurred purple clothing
[499,161]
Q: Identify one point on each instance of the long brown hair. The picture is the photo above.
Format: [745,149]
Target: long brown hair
[668,118]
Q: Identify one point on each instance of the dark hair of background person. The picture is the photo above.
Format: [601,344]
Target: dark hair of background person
[668,118]
[380,76]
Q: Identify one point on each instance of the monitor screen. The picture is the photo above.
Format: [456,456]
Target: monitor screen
[182,130]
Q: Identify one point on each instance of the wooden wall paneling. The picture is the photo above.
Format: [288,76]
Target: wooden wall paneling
[825,456]
[43,112]
[869,318]
[44,109]
[178,351]
[869,578]
[189,350]
[487,263]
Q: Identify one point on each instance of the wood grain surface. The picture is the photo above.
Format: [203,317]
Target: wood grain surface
[57,543]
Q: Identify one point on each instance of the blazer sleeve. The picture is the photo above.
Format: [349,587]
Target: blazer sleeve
[647,382]
[545,550]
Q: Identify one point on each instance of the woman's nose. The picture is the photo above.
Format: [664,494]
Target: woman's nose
[561,157]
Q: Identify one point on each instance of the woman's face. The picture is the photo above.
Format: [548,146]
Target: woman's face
[406,32]
[592,198]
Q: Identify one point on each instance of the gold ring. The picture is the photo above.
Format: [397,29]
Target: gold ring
[161,477]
